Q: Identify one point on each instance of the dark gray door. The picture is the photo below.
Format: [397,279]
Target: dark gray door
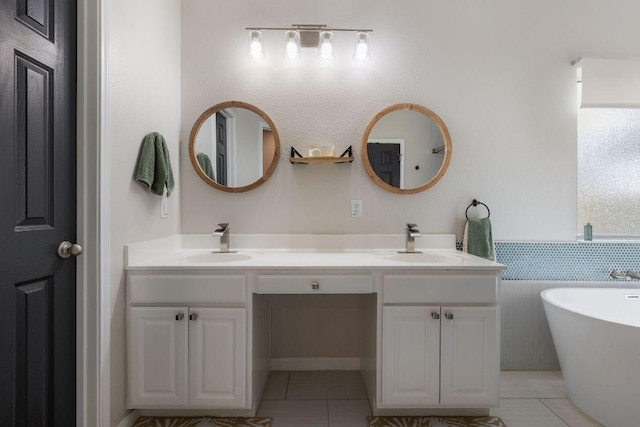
[37,212]
[221,149]
[384,159]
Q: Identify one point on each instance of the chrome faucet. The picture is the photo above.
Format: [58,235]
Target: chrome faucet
[412,233]
[630,274]
[633,275]
[223,232]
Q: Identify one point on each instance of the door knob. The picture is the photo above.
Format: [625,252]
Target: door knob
[66,249]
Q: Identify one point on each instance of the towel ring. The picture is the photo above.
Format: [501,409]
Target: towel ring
[476,203]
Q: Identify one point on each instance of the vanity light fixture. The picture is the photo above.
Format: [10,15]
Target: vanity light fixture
[292,45]
[362,51]
[325,46]
[256,48]
[318,36]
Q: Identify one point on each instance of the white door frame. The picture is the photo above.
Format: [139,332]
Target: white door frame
[232,155]
[262,126]
[93,275]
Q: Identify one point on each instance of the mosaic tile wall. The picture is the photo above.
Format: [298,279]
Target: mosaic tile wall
[590,261]
[570,261]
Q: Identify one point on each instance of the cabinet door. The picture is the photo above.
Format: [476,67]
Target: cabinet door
[217,357]
[157,356]
[470,356]
[410,356]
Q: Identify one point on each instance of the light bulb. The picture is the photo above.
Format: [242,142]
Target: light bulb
[325,47]
[256,50]
[362,51]
[292,45]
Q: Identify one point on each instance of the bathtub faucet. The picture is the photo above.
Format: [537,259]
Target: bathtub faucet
[633,275]
[616,274]
[630,274]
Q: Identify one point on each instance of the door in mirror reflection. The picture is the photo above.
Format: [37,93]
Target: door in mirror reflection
[406,148]
[386,160]
[235,138]
[234,146]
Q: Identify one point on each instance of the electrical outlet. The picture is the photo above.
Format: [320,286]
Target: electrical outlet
[356,208]
[164,207]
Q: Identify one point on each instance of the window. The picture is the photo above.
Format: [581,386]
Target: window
[608,147]
[609,172]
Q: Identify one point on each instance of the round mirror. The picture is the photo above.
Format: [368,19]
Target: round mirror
[406,148]
[234,146]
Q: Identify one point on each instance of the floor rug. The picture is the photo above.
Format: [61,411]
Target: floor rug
[435,422]
[203,422]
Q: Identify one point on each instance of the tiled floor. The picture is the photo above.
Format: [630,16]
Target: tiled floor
[537,399]
[338,399]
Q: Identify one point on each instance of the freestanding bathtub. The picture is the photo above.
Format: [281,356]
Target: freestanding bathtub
[596,332]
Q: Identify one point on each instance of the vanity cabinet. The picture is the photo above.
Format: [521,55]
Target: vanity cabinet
[158,346]
[411,356]
[199,326]
[193,357]
[217,357]
[187,356]
[469,356]
[439,355]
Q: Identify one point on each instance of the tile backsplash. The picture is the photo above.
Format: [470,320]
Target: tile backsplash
[566,261]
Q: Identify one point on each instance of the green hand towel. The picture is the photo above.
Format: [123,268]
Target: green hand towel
[205,164]
[154,165]
[478,239]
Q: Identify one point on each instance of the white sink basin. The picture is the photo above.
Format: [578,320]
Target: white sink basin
[425,257]
[216,257]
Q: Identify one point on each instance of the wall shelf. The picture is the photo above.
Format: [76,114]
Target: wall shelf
[297,158]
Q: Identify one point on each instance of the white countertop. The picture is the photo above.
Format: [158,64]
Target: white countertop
[303,252]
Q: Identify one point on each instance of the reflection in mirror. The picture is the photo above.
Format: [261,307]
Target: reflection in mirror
[406,148]
[234,146]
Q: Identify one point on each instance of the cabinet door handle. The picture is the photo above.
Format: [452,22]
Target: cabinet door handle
[448,315]
[315,285]
[179,316]
[435,316]
[193,316]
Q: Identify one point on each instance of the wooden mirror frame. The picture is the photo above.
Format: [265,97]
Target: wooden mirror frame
[194,133]
[445,136]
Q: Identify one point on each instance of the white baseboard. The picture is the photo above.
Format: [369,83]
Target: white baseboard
[431,412]
[130,419]
[316,364]
[211,412]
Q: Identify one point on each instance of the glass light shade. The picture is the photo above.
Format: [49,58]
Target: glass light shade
[292,45]
[256,48]
[325,46]
[362,51]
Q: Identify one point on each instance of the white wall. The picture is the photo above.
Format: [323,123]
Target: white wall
[144,73]
[496,71]
[248,146]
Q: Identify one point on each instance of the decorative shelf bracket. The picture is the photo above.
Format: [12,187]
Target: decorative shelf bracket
[297,158]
